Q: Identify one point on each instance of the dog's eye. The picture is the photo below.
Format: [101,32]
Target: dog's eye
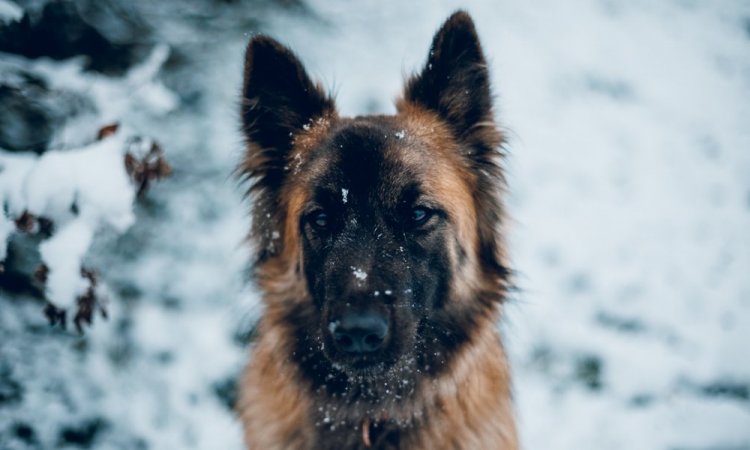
[320,220]
[419,215]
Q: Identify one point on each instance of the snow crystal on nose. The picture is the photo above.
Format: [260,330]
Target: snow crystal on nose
[359,274]
[344,195]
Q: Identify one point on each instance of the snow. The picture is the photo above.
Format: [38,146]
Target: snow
[629,205]
[344,195]
[54,184]
[63,254]
[147,89]
[359,274]
[9,11]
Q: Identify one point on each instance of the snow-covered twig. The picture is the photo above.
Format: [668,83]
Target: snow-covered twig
[68,196]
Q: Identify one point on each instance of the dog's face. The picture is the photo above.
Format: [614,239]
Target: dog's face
[379,238]
[377,235]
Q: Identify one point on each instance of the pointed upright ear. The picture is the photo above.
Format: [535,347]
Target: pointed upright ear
[455,83]
[278,100]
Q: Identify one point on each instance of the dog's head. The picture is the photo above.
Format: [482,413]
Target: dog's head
[377,236]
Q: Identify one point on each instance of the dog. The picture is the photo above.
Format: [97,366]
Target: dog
[380,257]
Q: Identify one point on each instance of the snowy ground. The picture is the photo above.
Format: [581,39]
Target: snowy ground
[629,192]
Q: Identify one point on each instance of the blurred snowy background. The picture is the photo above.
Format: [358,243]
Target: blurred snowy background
[629,126]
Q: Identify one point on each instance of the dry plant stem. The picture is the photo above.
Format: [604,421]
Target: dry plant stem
[366,433]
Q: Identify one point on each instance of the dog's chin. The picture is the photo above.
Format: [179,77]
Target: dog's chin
[364,366]
[371,366]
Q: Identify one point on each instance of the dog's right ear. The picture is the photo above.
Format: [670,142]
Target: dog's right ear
[278,100]
[455,84]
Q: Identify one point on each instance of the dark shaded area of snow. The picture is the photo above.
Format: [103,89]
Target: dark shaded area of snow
[59,31]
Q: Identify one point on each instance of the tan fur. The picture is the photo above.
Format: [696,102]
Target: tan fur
[472,400]
[449,181]
[273,408]
[467,408]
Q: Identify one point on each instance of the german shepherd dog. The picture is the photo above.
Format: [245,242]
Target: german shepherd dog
[379,257]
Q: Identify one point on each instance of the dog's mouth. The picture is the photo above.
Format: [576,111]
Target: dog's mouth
[370,363]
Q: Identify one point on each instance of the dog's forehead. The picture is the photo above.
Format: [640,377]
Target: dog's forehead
[370,158]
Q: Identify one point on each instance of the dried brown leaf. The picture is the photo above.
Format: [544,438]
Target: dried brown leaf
[107,130]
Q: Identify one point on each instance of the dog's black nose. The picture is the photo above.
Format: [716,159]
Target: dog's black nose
[360,332]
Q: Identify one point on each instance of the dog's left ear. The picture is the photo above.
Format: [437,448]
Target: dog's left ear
[278,100]
[455,83]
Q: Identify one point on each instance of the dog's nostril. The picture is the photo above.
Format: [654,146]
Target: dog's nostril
[373,341]
[360,333]
[343,340]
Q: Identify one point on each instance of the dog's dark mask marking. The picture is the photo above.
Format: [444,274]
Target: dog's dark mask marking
[381,249]
[361,216]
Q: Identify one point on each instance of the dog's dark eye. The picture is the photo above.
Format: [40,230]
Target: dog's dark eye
[419,215]
[320,220]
